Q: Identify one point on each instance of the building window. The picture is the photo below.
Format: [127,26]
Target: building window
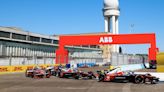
[46,40]
[56,41]
[4,34]
[93,46]
[18,36]
[98,46]
[85,46]
[36,39]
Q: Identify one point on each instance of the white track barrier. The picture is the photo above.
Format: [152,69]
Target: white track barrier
[159,75]
[131,67]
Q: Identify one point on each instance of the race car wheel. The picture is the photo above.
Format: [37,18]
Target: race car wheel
[76,76]
[54,73]
[41,76]
[32,75]
[35,76]
[154,81]
[26,74]
[100,78]
[49,73]
[48,76]
[138,79]
[147,80]
[89,77]
[61,75]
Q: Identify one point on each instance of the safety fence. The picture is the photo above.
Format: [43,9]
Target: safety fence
[116,59]
[86,58]
[90,62]
[11,61]
[82,58]
[126,59]
[20,64]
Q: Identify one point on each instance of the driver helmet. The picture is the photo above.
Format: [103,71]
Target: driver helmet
[111,67]
[37,67]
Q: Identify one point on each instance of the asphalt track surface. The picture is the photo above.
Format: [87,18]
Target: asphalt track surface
[19,83]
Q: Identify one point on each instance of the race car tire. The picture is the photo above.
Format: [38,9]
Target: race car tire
[138,79]
[147,80]
[26,74]
[154,81]
[32,75]
[89,77]
[49,72]
[100,78]
[54,73]
[61,75]
[41,76]
[35,76]
[48,76]
[77,77]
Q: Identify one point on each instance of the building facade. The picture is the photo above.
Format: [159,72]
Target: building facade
[19,47]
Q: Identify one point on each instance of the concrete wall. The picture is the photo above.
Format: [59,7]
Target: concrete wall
[25,61]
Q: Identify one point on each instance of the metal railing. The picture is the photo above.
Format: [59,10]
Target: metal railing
[125,59]
[8,61]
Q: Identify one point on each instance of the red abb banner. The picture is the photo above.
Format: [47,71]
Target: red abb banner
[149,38]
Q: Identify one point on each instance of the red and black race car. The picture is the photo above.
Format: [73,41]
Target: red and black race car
[73,73]
[116,75]
[88,75]
[37,72]
[68,73]
[52,70]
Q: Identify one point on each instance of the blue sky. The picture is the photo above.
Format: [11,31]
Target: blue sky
[84,16]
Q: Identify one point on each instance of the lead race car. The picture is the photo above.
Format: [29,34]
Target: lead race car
[37,72]
[116,75]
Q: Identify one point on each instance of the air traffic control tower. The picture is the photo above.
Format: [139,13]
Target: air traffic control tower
[111,13]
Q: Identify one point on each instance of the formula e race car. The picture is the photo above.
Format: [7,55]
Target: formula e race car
[116,75]
[52,70]
[68,73]
[89,75]
[37,72]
